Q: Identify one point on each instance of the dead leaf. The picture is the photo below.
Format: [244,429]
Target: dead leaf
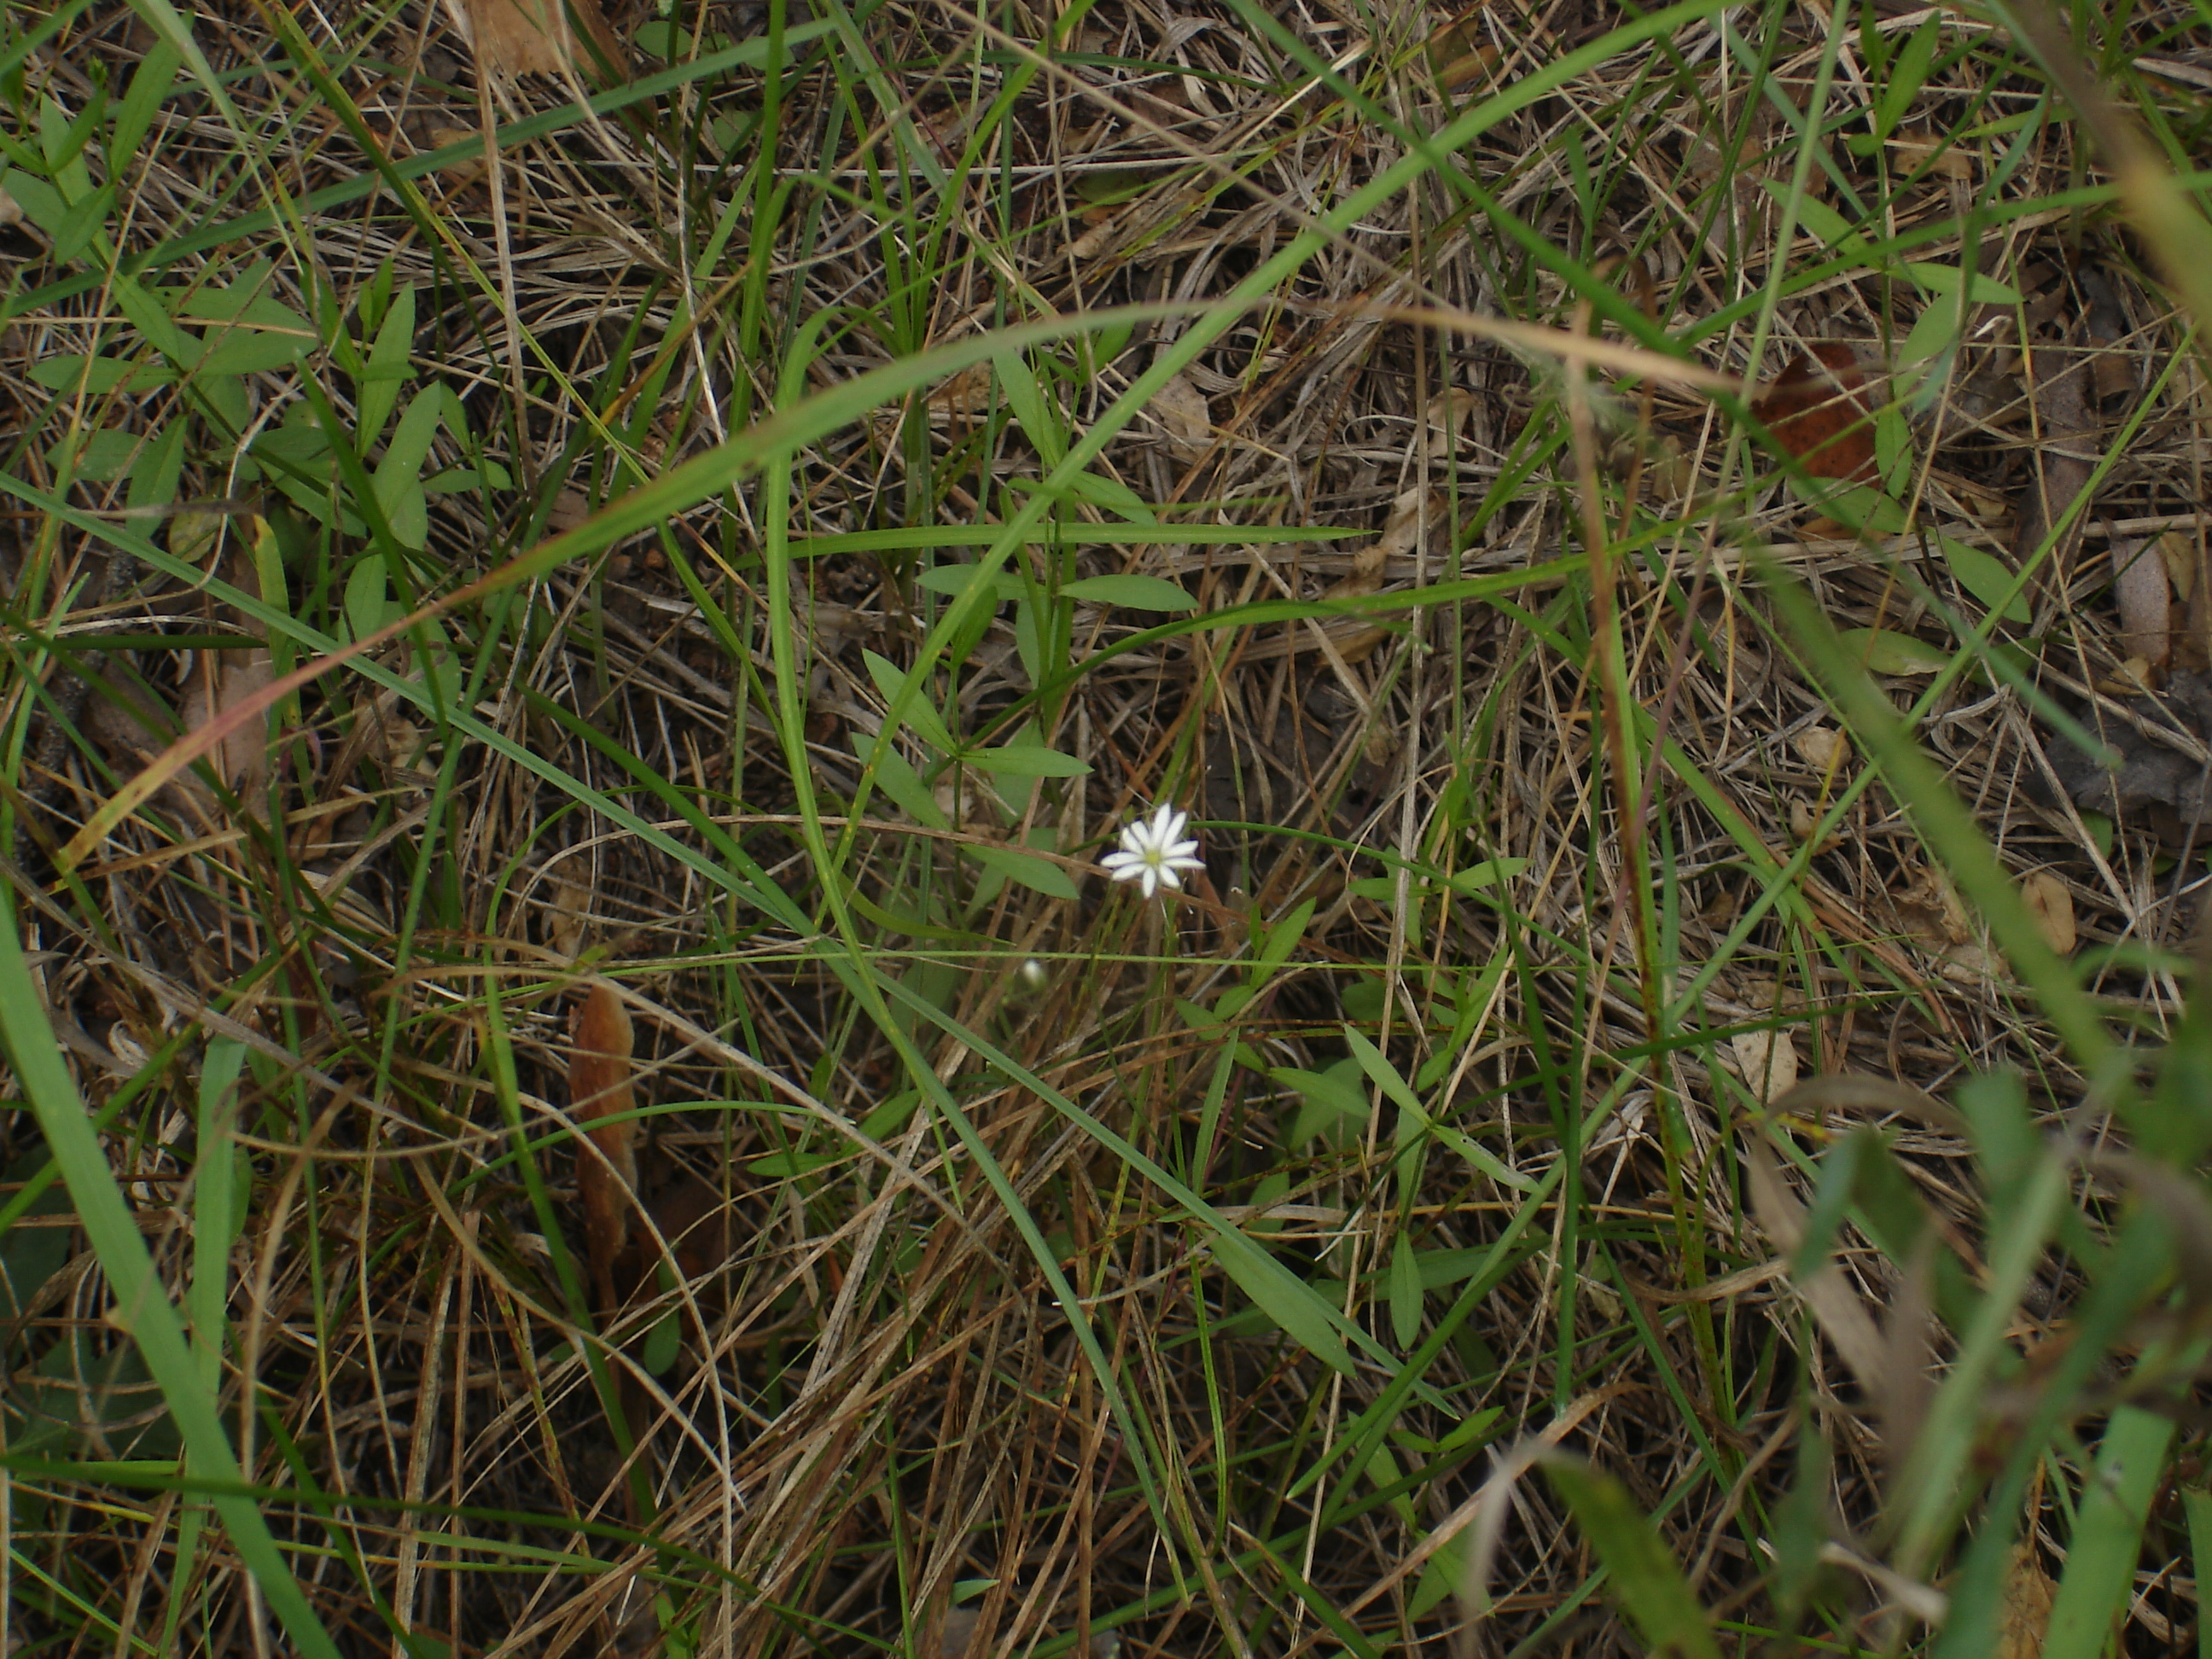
[2179,555]
[533,37]
[572,913]
[460,175]
[1931,911]
[2028,1595]
[1459,56]
[2145,595]
[1400,535]
[2137,677]
[1186,415]
[968,393]
[601,1043]
[2051,903]
[2060,464]
[2155,780]
[1816,410]
[1823,749]
[1768,1060]
[570,508]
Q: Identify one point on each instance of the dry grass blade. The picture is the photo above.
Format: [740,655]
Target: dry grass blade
[1338,422]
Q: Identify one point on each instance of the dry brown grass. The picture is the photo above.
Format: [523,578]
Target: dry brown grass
[878,1398]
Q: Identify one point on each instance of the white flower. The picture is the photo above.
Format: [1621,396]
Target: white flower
[1153,852]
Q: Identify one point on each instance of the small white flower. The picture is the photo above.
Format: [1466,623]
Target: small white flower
[1153,853]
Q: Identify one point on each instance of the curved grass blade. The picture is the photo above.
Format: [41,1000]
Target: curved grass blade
[141,1302]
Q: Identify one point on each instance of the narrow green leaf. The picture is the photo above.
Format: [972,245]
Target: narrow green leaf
[2100,1557]
[141,1304]
[1648,1581]
[1131,592]
[1405,1292]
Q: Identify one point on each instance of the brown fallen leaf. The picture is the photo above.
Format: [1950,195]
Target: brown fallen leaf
[2060,465]
[1400,535]
[534,37]
[1768,1060]
[1817,410]
[571,915]
[2152,782]
[2029,1595]
[601,1043]
[1186,415]
[1823,749]
[2051,904]
[2144,593]
[1459,56]
[460,175]
[1931,911]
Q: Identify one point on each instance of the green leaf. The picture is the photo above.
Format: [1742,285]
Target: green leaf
[399,480]
[1025,395]
[1292,1302]
[954,580]
[1490,872]
[1858,506]
[379,391]
[1885,651]
[1647,1580]
[1405,1292]
[896,777]
[1987,577]
[920,714]
[141,1304]
[1131,592]
[2100,1557]
[1948,279]
[1040,875]
[95,375]
[1024,760]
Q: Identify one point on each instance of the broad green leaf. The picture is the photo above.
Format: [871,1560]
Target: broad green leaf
[1648,1583]
[1885,651]
[1131,592]
[1405,1292]
[1282,939]
[1283,1297]
[896,776]
[1859,507]
[1907,72]
[1041,875]
[1987,578]
[1025,395]
[1335,1090]
[1489,872]
[74,370]
[1376,1064]
[1947,280]
[398,479]
[1025,761]
[954,580]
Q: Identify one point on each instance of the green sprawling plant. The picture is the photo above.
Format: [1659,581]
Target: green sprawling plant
[1655,1119]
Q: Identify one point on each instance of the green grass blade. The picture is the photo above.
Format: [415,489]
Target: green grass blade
[142,1302]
